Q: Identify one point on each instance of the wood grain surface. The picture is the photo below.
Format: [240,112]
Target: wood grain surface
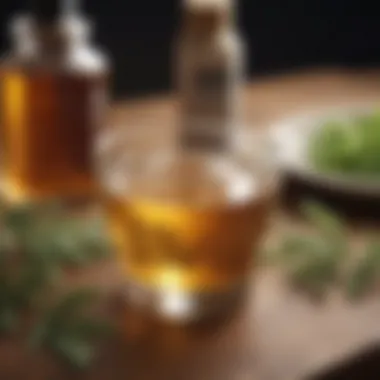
[277,334]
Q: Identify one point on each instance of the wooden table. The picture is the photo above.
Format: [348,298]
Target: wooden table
[278,335]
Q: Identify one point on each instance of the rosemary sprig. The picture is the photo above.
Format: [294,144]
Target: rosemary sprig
[317,261]
[366,273]
[69,329]
[37,244]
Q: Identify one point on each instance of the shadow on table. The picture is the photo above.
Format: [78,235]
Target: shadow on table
[364,366]
[146,348]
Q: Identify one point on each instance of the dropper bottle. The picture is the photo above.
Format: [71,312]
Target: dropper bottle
[53,102]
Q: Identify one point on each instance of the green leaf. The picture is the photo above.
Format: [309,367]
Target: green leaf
[39,334]
[314,261]
[315,277]
[322,218]
[293,248]
[68,330]
[7,243]
[90,328]
[32,281]
[66,241]
[18,218]
[37,243]
[77,352]
[8,319]
[73,304]
[367,272]
[89,242]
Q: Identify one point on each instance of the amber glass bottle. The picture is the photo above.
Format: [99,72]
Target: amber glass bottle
[53,98]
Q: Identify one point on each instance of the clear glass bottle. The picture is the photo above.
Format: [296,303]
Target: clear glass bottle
[210,58]
[53,101]
[187,220]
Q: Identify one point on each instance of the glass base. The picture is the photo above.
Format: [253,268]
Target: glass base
[185,307]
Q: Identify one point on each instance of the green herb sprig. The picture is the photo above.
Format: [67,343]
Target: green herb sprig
[38,245]
[323,259]
[69,329]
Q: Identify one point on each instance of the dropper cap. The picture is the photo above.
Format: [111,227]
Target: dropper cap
[208,14]
[49,11]
[218,6]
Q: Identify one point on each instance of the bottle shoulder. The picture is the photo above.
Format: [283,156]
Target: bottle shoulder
[82,61]
[63,47]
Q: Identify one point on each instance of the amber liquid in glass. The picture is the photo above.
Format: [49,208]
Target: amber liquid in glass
[189,235]
[47,131]
[195,249]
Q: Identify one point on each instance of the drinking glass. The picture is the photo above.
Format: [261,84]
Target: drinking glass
[186,224]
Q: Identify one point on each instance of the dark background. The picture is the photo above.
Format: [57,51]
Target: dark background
[281,35]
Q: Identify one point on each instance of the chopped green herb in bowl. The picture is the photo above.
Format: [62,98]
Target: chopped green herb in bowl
[350,147]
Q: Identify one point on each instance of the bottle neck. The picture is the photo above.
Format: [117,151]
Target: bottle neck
[206,25]
[48,40]
[208,86]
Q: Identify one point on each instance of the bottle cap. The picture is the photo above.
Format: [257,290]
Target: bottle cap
[51,10]
[204,16]
[208,5]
